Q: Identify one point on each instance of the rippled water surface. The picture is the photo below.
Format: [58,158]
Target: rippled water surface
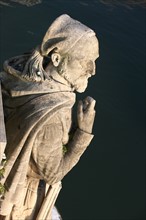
[109,181]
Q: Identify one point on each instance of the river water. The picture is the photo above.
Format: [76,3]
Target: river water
[109,181]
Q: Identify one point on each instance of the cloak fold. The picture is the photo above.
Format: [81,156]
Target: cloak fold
[21,129]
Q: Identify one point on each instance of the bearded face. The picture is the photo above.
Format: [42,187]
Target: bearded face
[79,65]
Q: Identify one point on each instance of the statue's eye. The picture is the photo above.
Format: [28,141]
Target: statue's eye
[90,64]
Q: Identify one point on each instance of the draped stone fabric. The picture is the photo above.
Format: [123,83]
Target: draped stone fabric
[21,129]
[26,117]
[65,34]
[38,118]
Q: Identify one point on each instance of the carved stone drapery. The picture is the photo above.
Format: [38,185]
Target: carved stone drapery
[39,94]
[2,128]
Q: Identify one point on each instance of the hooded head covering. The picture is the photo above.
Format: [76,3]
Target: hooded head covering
[63,34]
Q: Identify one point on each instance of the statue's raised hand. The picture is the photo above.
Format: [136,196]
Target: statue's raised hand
[86,114]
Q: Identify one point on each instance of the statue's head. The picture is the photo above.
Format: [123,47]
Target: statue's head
[68,48]
[73,49]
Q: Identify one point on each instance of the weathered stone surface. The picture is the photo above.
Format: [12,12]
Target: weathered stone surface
[39,93]
[2,128]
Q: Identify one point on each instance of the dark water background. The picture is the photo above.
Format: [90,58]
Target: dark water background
[109,181]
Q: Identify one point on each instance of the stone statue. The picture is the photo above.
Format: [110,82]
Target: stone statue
[38,95]
[2,132]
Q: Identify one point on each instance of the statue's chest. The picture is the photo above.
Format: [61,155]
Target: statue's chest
[65,116]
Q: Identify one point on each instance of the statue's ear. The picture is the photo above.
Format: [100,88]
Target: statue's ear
[56,58]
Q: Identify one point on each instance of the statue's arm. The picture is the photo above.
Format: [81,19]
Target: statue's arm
[48,154]
[81,138]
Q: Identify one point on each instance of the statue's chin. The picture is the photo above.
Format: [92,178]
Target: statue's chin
[81,89]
